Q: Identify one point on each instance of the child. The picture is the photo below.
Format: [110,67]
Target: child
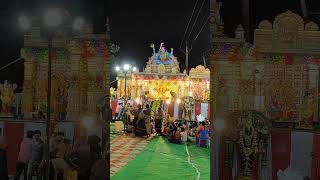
[184,135]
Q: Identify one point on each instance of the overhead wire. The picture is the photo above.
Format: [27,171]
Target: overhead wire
[185,32]
[196,18]
[204,24]
[9,64]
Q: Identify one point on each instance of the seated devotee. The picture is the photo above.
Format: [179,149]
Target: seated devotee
[202,127]
[141,125]
[176,138]
[172,129]
[192,133]
[184,124]
[184,135]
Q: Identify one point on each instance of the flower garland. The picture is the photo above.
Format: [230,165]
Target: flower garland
[290,60]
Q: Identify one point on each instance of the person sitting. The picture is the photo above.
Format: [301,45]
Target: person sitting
[176,138]
[192,133]
[172,129]
[141,126]
[201,128]
[184,124]
[184,135]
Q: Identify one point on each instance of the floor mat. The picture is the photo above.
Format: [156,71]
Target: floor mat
[124,149]
[161,160]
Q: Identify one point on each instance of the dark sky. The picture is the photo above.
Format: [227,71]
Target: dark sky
[136,24]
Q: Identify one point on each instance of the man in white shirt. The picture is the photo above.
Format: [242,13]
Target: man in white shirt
[184,135]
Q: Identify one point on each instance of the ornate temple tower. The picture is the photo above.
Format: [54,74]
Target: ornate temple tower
[79,64]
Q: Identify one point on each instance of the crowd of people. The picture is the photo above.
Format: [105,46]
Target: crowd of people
[78,160]
[141,120]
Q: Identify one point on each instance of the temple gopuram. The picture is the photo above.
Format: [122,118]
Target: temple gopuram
[162,80]
[266,95]
[80,67]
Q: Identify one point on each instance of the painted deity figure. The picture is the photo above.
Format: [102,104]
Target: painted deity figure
[7,97]
[162,56]
[275,108]
[307,111]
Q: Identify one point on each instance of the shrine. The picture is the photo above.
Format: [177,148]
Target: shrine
[162,80]
[267,96]
[80,67]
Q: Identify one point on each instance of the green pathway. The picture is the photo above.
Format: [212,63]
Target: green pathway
[162,160]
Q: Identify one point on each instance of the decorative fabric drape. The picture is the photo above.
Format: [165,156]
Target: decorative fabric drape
[315,167]
[281,151]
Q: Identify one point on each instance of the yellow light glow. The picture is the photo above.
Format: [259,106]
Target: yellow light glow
[168,101]
[178,101]
[137,100]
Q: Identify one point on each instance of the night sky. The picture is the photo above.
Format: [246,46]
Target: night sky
[136,24]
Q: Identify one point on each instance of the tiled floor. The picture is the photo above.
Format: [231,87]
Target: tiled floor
[124,149]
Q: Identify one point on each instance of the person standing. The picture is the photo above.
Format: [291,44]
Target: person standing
[158,120]
[3,159]
[147,113]
[24,156]
[136,116]
[59,151]
[117,111]
[37,156]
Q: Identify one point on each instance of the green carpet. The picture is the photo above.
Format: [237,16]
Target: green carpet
[159,161]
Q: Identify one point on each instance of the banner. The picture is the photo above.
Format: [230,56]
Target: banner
[281,151]
[197,109]
[204,109]
[301,148]
[114,104]
[176,110]
[67,128]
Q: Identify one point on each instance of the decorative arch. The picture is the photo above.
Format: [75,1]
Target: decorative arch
[288,20]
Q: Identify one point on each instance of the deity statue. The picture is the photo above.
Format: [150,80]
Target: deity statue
[307,111]
[162,56]
[251,130]
[7,97]
[188,106]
